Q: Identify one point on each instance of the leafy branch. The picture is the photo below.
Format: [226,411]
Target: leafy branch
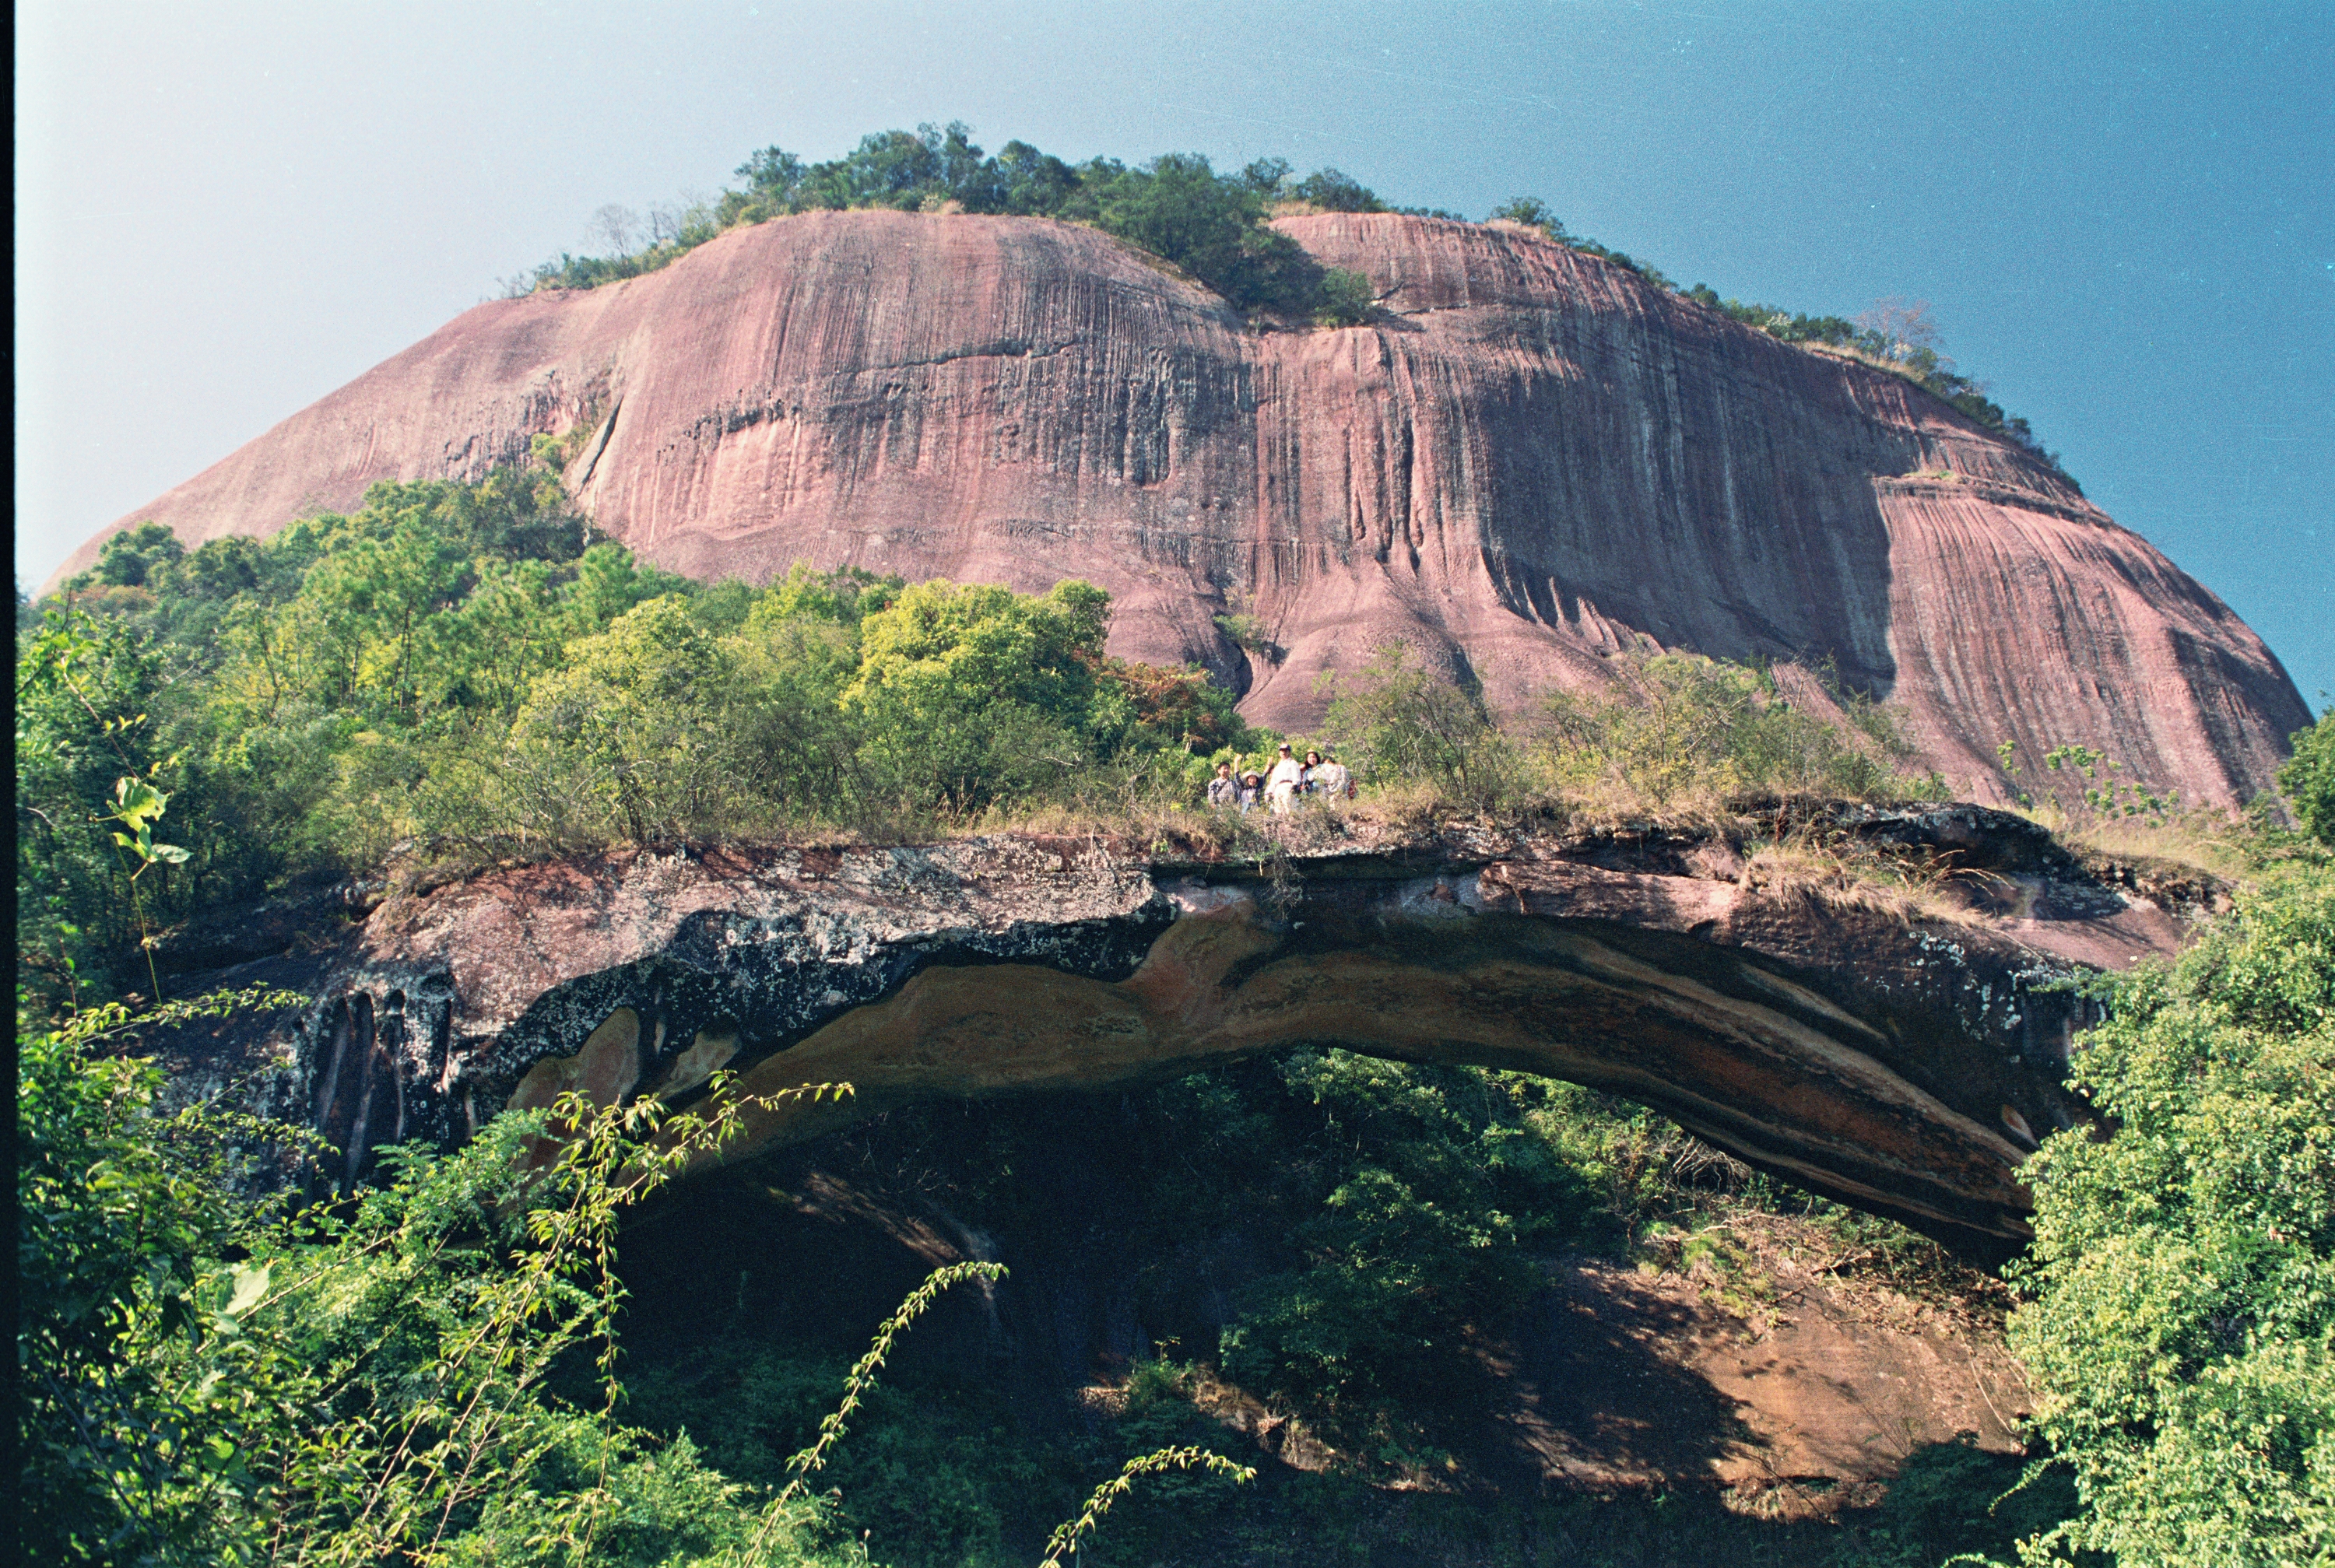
[862,1377]
[1066,1537]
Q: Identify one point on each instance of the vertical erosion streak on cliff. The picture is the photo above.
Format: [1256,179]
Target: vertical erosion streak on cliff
[1991,591]
[1585,397]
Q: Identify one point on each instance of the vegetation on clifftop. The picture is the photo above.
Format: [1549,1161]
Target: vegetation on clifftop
[1176,207]
[463,672]
[1212,225]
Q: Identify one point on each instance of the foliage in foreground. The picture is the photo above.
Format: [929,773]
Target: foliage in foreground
[2308,779]
[2181,1330]
[425,1376]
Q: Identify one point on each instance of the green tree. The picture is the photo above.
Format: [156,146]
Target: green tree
[791,661]
[86,691]
[1333,192]
[124,1460]
[1677,725]
[1177,207]
[629,736]
[965,694]
[1429,1189]
[1030,183]
[2180,1326]
[130,556]
[2309,777]
[1402,722]
[1347,299]
[1532,213]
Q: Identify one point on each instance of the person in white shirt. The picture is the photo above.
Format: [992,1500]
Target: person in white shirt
[1331,780]
[1281,784]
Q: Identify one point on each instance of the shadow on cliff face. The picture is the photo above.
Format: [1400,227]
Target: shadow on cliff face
[1595,1401]
[1739,552]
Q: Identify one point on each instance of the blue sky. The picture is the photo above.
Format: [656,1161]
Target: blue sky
[2122,216]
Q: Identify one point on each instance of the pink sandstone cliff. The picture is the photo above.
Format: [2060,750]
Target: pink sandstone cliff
[1534,459]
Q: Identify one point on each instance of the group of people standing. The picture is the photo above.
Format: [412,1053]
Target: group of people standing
[1324,777]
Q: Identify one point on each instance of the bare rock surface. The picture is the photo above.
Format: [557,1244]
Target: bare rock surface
[1532,460]
[1631,1377]
[1904,1060]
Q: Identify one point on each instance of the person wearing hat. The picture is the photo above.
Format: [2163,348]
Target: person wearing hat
[1281,785]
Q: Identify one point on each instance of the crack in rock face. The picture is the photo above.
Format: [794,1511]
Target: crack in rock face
[1905,1065]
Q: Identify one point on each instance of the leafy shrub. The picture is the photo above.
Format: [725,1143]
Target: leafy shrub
[85,693]
[629,735]
[1248,633]
[969,694]
[128,557]
[1333,192]
[1404,724]
[1677,726]
[211,1381]
[1177,207]
[2308,779]
[1531,212]
[1952,1499]
[1416,1241]
[1347,299]
[109,1265]
[2180,1329]
[926,1474]
[1673,730]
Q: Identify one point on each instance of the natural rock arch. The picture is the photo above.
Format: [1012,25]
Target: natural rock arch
[1905,1064]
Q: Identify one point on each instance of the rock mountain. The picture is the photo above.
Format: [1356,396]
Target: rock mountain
[1532,458]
